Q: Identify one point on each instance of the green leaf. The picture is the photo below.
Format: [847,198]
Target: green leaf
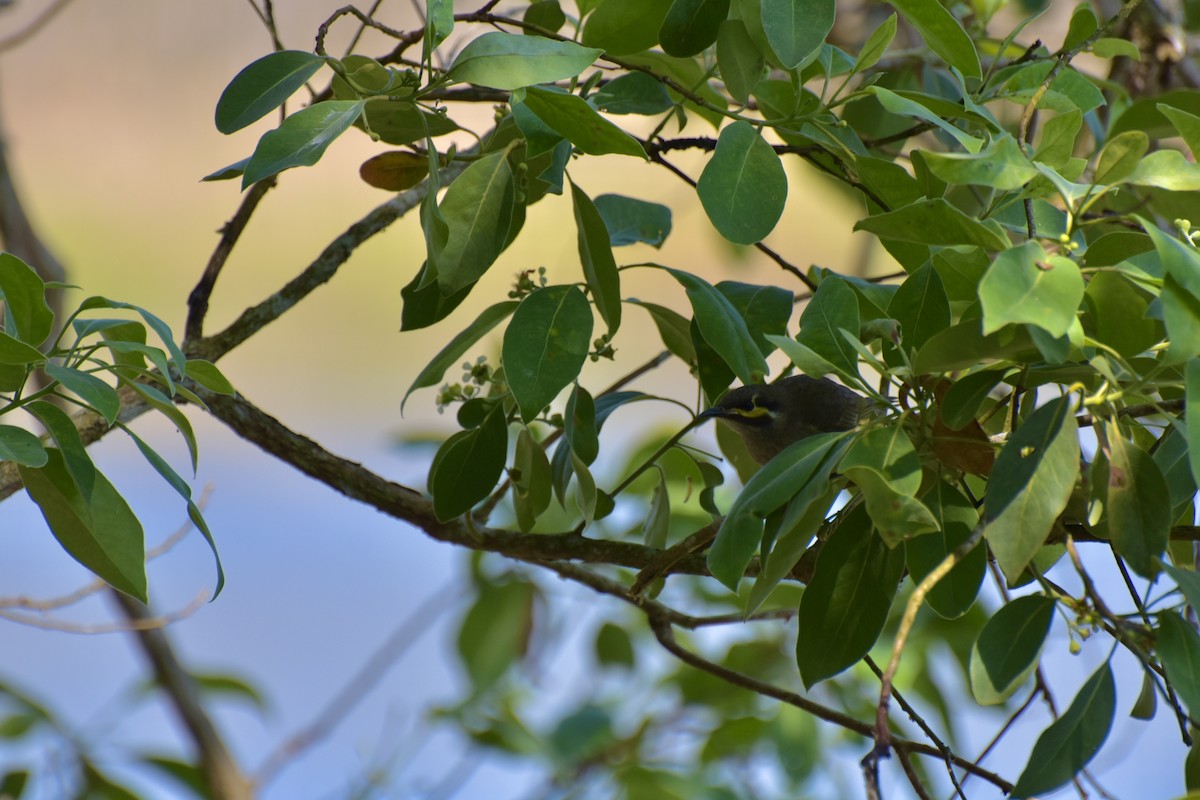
[22,447]
[1166,169]
[164,406]
[1108,47]
[93,391]
[424,304]
[1073,739]
[495,631]
[796,28]
[622,27]
[595,254]
[955,593]
[657,524]
[546,345]
[1138,506]
[898,104]
[934,222]
[263,86]
[1188,581]
[1118,313]
[1192,418]
[160,328]
[177,483]
[510,61]
[943,33]
[629,220]
[738,58]
[674,329]
[1001,165]
[586,496]
[24,296]
[468,465]
[580,425]
[632,93]
[875,45]
[1171,455]
[62,429]
[743,186]
[802,518]
[885,465]
[301,139]
[723,328]
[1057,144]
[531,481]
[14,351]
[691,26]
[571,116]
[1179,651]
[833,308]
[546,14]
[807,462]
[1030,485]
[845,606]
[1083,24]
[1187,124]
[963,399]
[1181,315]
[97,529]
[439,23]
[449,355]
[479,210]
[209,376]
[1120,156]
[1023,285]
[614,647]
[400,123]
[921,306]
[1008,648]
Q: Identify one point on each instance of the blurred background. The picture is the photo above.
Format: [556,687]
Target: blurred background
[107,117]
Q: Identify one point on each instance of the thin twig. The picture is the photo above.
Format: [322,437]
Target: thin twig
[882,734]
[230,233]
[356,689]
[222,774]
[31,30]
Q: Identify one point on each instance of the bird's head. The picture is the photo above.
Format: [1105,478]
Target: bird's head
[770,417]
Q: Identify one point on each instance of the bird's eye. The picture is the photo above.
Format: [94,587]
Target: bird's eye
[749,405]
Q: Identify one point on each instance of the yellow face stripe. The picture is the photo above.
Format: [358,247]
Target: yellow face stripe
[752,413]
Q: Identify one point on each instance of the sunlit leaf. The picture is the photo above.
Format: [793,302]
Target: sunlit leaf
[1030,485]
[263,86]
[24,296]
[301,139]
[510,61]
[1024,285]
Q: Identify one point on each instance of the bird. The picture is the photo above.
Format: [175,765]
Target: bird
[769,417]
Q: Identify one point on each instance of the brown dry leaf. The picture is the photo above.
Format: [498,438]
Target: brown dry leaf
[395,170]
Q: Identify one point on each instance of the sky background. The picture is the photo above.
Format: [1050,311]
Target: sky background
[107,115]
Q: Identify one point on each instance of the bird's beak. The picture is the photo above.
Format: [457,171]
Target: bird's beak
[712,413]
